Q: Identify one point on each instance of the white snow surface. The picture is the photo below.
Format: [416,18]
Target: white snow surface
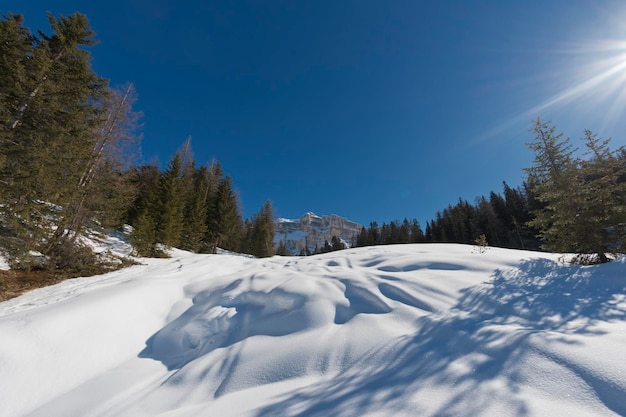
[407,330]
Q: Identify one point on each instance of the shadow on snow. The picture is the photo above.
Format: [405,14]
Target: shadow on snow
[483,338]
[474,345]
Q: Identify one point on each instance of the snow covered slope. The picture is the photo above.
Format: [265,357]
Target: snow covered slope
[410,330]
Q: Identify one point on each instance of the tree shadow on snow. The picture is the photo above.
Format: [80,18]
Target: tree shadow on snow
[466,354]
[545,295]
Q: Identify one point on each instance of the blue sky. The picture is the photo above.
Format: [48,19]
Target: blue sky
[373,110]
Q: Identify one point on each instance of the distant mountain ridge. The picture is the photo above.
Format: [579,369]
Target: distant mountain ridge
[311,231]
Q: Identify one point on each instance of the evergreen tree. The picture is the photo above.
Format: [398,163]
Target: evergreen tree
[172,204]
[516,203]
[16,46]
[49,97]
[362,238]
[487,220]
[261,234]
[281,250]
[214,177]
[225,227]
[246,245]
[373,234]
[336,244]
[144,215]
[557,185]
[600,230]
[195,227]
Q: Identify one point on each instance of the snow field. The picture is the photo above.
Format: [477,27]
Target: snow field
[429,330]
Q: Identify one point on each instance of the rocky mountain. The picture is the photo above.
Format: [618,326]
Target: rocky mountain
[311,231]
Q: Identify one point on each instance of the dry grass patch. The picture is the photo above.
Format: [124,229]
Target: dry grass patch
[14,283]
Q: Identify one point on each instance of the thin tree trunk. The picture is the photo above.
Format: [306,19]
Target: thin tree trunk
[21,108]
[88,175]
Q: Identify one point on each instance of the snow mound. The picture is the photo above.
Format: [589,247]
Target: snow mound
[428,330]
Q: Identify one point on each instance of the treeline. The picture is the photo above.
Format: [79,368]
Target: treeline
[567,204]
[334,245]
[194,208]
[501,218]
[66,145]
[393,233]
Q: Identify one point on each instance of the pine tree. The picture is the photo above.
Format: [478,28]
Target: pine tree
[226,226]
[145,211]
[16,45]
[362,238]
[516,203]
[172,204]
[336,244]
[600,230]
[557,185]
[195,227]
[281,250]
[214,177]
[261,235]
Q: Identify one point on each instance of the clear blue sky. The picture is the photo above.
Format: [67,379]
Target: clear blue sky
[373,110]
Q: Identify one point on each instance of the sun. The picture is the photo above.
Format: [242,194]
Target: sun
[596,79]
[591,88]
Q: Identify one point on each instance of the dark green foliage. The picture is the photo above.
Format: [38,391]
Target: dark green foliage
[55,139]
[337,244]
[172,204]
[362,238]
[582,201]
[604,190]
[501,219]
[144,237]
[144,212]
[392,233]
[16,45]
[195,227]
[186,207]
[326,248]
[557,185]
[259,240]
[63,138]
[334,245]
[225,226]
[281,249]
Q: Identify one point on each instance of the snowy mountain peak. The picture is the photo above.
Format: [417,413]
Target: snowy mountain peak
[311,231]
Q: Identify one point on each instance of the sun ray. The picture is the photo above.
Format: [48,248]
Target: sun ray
[594,74]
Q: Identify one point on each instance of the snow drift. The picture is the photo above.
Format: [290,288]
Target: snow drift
[409,330]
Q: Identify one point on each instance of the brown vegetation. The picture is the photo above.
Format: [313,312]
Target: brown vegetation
[14,283]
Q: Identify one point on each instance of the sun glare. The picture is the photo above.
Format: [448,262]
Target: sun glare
[598,81]
[591,87]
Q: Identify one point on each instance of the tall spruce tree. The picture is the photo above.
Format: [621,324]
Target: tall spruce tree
[172,203]
[195,227]
[603,176]
[144,212]
[261,233]
[226,224]
[557,185]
